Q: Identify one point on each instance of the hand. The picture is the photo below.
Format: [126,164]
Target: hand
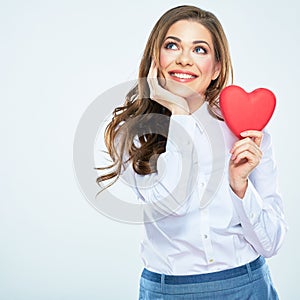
[176,104]
[246,155]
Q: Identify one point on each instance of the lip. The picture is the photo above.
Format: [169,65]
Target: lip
[184,80]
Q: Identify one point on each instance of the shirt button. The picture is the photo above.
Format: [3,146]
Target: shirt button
[205,236]
[251,215]
[211,260]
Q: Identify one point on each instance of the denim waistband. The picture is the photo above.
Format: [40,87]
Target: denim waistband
[208,277]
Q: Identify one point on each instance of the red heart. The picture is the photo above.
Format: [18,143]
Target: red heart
[246,111]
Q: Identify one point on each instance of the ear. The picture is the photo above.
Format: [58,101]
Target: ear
[217,71]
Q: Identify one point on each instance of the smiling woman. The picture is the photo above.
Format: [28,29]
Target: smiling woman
[187,56]
[165,142]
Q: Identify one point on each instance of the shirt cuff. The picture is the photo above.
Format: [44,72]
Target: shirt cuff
[250,207]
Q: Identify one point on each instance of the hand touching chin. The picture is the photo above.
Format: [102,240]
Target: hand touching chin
[179,89]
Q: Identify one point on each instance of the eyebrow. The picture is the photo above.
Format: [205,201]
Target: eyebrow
[194,42]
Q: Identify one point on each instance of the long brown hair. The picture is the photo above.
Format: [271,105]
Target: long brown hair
[135,131]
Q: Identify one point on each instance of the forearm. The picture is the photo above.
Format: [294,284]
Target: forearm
[258,203]
[262,220]
[169,187]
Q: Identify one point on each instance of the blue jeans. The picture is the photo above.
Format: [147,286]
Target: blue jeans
[251,281]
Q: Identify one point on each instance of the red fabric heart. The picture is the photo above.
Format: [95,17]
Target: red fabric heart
[246,111]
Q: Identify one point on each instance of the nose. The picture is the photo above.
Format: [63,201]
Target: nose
[184,59]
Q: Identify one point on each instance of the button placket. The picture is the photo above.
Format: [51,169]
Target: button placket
[201,188]
[205,233]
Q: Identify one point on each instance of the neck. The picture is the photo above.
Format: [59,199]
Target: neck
[195,101]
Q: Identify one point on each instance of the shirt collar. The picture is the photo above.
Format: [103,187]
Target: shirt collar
[200,115]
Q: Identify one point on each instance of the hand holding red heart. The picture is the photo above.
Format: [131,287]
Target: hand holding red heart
[245,156]
[246,114]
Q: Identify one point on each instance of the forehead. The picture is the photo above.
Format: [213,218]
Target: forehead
[189,31]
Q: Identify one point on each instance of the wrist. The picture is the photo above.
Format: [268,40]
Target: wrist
[179,111]
[239,186]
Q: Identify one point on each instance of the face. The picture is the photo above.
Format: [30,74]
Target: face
[187,59]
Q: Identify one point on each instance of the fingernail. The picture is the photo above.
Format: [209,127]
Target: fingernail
[244,133]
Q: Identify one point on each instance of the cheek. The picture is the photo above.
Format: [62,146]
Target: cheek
[206,66]
[165,59]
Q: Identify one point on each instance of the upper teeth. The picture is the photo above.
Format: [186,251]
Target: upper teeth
[182,75]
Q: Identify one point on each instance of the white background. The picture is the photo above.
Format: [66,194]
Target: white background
[56,57]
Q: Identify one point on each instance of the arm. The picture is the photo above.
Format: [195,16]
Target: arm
[260,209]
[169,187]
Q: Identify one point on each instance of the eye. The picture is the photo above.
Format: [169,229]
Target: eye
[171,46]
[200,50]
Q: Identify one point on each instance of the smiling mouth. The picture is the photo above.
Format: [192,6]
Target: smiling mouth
[182,76]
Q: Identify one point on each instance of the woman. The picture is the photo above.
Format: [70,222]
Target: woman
[194,248]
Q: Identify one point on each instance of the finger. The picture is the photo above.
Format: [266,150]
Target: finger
[255,135]
[251,147]
[153,70]
[152,78]
[257,154]
[245,141]
[250,157]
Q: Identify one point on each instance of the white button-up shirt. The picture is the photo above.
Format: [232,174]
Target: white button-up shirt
[198,224]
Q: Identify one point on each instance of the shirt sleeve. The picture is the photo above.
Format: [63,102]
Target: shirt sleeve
[261,210]
[170,186]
